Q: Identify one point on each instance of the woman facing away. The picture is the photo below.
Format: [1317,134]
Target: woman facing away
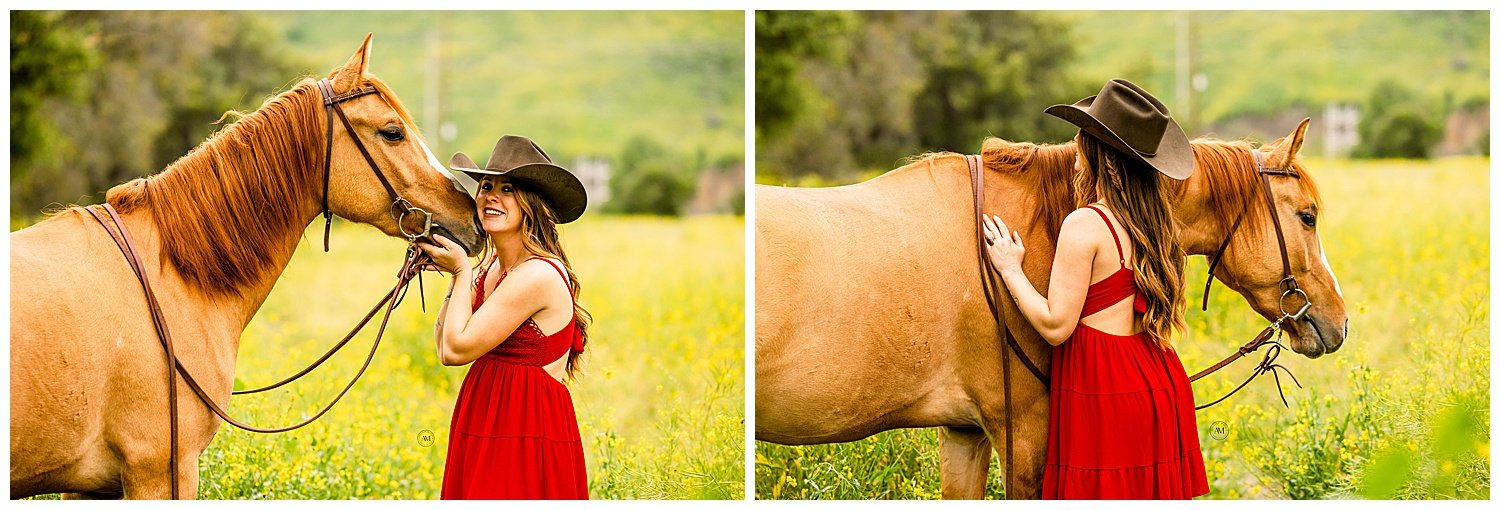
[1122,423]
[514,434]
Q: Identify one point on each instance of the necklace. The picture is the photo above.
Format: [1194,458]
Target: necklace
[507,270]
[479,281]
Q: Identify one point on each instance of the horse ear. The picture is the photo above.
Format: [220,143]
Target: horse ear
[352,73]
[1286,151]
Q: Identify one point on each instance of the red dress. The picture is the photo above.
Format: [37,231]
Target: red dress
[514,434]
[1122,423]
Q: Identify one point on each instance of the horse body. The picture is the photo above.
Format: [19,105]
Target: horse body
[914,303]
[214,231]
[84,352]
[898,309]
[870,314]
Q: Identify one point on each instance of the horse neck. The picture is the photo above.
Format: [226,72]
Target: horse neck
[1198,198]
[1199,233]
[227,220]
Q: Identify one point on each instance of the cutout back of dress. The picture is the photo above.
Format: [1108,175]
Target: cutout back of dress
[1115,287]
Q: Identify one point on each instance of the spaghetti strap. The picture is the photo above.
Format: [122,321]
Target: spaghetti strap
[560,272]
[1118,250]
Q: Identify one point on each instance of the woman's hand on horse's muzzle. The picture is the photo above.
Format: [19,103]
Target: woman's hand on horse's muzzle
[447,256]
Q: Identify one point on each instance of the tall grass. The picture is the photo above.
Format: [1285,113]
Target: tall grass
[660,400]
[1401,411]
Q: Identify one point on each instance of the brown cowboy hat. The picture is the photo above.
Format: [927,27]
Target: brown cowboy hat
[1130,119]
[520,159]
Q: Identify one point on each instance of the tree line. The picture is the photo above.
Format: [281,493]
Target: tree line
[98,98]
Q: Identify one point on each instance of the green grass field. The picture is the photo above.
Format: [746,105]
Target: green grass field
[1401,411]
[660,400]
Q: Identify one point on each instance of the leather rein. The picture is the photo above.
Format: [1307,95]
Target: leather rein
[410,269]
[1268,337]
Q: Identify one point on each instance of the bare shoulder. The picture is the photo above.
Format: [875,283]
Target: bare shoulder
[538,275]
[1082,225]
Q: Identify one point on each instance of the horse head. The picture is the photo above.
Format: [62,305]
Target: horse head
[1257,261]
[399,152]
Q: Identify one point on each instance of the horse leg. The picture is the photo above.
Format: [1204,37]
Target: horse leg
[1029,459]
[964,459]
[150,479]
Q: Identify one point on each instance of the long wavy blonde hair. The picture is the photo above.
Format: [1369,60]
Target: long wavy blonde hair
[1140,201]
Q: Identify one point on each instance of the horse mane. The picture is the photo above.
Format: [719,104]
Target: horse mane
[1228,173]
[220,203]
[246,184]
[1046,168]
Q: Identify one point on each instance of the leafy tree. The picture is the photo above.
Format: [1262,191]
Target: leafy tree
[46,56]
[1395,125]
[994,75]
[783,41]
[148,86]
[903,83]
[648,180]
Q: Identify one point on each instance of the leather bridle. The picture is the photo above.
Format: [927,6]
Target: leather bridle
[410,268]
[400,207]
[1270,336]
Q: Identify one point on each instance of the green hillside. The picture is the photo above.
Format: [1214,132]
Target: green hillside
[1261,62]
[580,83]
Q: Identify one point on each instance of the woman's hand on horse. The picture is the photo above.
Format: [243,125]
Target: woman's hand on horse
[1003,245]
[447,256]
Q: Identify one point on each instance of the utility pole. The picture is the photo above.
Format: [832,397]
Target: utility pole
[1190,82]
[432,114]
[1183,67]
[1199,80]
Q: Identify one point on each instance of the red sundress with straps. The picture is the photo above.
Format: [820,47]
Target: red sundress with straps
[1122,423]
[514,434]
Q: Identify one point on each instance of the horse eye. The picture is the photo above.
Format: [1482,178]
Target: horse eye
[392,134]
[1308,218]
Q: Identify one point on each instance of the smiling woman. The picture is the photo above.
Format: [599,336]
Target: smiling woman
[514,414]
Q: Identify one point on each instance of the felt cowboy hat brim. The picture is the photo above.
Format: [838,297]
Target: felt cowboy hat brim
[532,169]
[1172,156]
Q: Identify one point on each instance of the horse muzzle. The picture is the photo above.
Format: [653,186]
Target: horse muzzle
[471,237]
[1314,337]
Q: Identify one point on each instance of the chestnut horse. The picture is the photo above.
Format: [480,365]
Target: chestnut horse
[214,230]
[870,315]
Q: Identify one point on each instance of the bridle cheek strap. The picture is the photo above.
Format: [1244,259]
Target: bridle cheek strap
[327,91]
[1270,335]
[331,106]
[1288,282]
